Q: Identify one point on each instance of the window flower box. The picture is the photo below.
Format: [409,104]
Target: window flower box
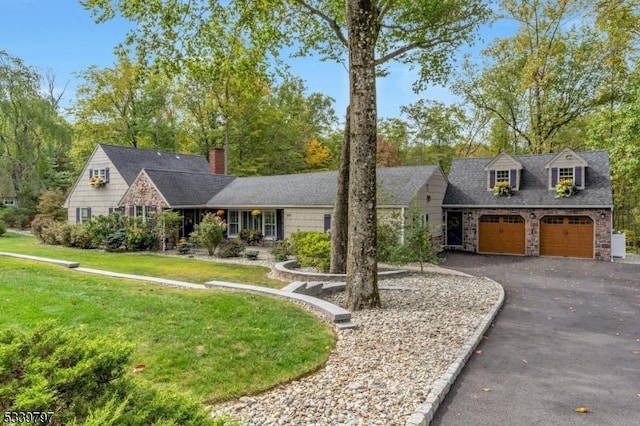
[565,188]
[97,182]
[502,189]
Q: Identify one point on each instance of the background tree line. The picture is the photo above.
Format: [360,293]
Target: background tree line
[567,77]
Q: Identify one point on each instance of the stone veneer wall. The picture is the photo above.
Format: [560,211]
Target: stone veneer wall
[143,193]
[602,227]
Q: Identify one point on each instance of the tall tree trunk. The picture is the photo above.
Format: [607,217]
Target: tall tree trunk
[340,220]
[362,269]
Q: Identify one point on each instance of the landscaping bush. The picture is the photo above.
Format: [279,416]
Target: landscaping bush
[101,226]
[80,238]
[140,237]
[115,241]
[388,241]
[313,249]
[63,233]
[209,232]
[3,228]
[282,250]
[251,254]
[184,246]
[231,248]
[83,380]
[38,224]
[15,217]
[48,234]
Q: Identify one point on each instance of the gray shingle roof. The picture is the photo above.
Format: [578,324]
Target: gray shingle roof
[187,189]
[397,186]
[129,161]
[468,183]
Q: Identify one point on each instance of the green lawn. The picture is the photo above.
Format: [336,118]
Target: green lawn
[213,344]
[175,268]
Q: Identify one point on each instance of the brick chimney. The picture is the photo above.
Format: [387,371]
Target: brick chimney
[216,161]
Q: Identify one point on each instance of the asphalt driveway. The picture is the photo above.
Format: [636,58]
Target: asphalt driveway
[567,336]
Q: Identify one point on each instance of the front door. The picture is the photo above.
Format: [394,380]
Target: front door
[454,229]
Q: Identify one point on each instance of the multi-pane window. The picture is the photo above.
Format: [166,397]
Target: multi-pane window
[233,225]
[502,175]
[252,220]
[565,173]
[269,224]
[143,213]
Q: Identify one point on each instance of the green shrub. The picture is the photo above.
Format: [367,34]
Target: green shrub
[251,254]
[140,237]
[184,246]
[209,232]
[115,241]
[63,233]
[231,248]
[388,241]
[38,224]
[313,249]
[15,217]
[3,228]
[48,234]
[101,226]
[282,250]
[80,238]
[82,380]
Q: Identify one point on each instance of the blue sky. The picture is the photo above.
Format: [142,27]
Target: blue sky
[59,35]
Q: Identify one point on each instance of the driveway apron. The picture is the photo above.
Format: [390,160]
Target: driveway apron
[568,336]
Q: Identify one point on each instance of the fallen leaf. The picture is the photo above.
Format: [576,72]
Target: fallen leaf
[582,409]
[138,368]
[479,352]
[486,389]
[525,361]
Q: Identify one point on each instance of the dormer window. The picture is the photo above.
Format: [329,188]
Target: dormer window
[567,166]
[503,168]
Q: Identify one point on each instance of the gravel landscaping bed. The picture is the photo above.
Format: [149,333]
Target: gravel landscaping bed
[381,371]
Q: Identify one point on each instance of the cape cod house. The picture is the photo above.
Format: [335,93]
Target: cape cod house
[535,205]
[138,182]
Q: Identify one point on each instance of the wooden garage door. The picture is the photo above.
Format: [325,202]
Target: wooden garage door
[501,234]
[566,236]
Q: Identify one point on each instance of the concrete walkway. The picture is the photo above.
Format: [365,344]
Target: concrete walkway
[340,317]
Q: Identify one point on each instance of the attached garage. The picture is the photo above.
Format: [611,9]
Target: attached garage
[566,236]
[503,234]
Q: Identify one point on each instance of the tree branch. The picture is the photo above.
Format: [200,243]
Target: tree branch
[331,22]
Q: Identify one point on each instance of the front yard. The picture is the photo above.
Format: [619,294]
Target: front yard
[175,268]
[214,345]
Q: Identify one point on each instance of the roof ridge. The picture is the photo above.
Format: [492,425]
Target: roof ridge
[150,150]
[184,172]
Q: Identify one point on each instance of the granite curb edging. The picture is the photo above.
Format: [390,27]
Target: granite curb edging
[64,263]
[424,413]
